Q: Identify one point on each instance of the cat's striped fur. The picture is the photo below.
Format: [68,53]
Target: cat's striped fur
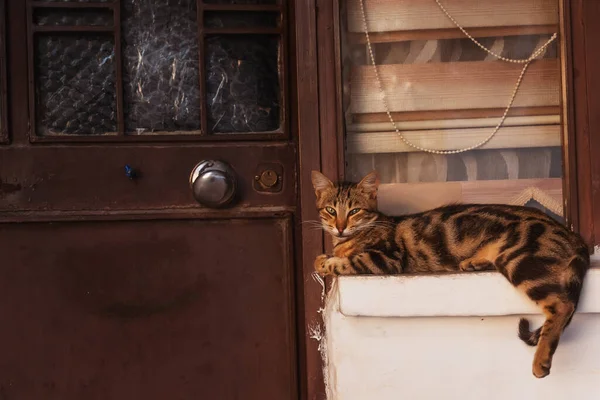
[538,255]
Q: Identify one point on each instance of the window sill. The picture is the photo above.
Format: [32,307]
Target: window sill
[463,294]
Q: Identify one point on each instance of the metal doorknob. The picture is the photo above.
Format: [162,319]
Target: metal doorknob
[213,183]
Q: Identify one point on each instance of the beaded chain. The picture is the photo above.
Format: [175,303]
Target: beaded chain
[526,63]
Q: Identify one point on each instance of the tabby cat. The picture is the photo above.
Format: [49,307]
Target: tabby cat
[538,255]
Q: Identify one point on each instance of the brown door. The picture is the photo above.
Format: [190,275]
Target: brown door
[120,278]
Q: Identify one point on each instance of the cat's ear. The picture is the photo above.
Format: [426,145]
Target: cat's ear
[320,182]
[369,184]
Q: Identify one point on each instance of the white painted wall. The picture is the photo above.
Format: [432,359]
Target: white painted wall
[451,337]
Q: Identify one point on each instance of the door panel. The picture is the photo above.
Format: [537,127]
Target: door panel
[168,309]
[115,282]
[94,178]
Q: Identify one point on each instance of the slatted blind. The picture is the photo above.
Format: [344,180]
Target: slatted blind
[397,16]
[444,92]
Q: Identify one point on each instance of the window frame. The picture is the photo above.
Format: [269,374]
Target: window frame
[319,108]
[580,172]
[201,135]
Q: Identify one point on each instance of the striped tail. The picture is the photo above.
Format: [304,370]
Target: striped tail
[580,264]
[530,338]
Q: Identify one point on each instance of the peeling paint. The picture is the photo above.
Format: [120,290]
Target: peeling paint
[316,331]
[330,370]
[317,278]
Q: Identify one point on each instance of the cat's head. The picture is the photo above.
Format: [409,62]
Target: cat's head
[346,208]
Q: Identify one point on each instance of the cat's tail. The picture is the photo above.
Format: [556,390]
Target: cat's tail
[579,264]
[531,338]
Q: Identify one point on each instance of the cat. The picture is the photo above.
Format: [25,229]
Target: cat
[537,254]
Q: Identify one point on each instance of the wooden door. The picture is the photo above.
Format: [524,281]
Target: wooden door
[115,283]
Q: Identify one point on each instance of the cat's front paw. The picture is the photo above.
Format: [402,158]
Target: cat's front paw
[541,368]
[321,265]
[476,265]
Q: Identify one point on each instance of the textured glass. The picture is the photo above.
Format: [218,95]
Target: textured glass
[240,1]
[242,88]
[161,75]
[75,85]
[239,19]
[76,1]
[88,17]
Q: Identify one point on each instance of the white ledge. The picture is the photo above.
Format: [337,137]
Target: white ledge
[464,294]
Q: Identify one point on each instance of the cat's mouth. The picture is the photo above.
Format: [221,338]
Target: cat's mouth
[343,235]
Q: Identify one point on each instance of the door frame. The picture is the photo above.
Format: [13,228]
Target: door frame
[305,102]
[320,126]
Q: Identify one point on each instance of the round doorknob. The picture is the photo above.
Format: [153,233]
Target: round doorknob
[213,183]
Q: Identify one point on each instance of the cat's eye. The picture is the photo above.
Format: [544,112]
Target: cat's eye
[354,211]
[330,210]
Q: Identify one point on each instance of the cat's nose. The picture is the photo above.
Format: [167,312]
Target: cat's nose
[340,230]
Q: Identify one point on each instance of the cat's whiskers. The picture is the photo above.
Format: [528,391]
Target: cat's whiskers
[312,221]
[314,225]
[374,224]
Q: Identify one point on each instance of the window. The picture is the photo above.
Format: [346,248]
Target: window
[145,69]
[444,92]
